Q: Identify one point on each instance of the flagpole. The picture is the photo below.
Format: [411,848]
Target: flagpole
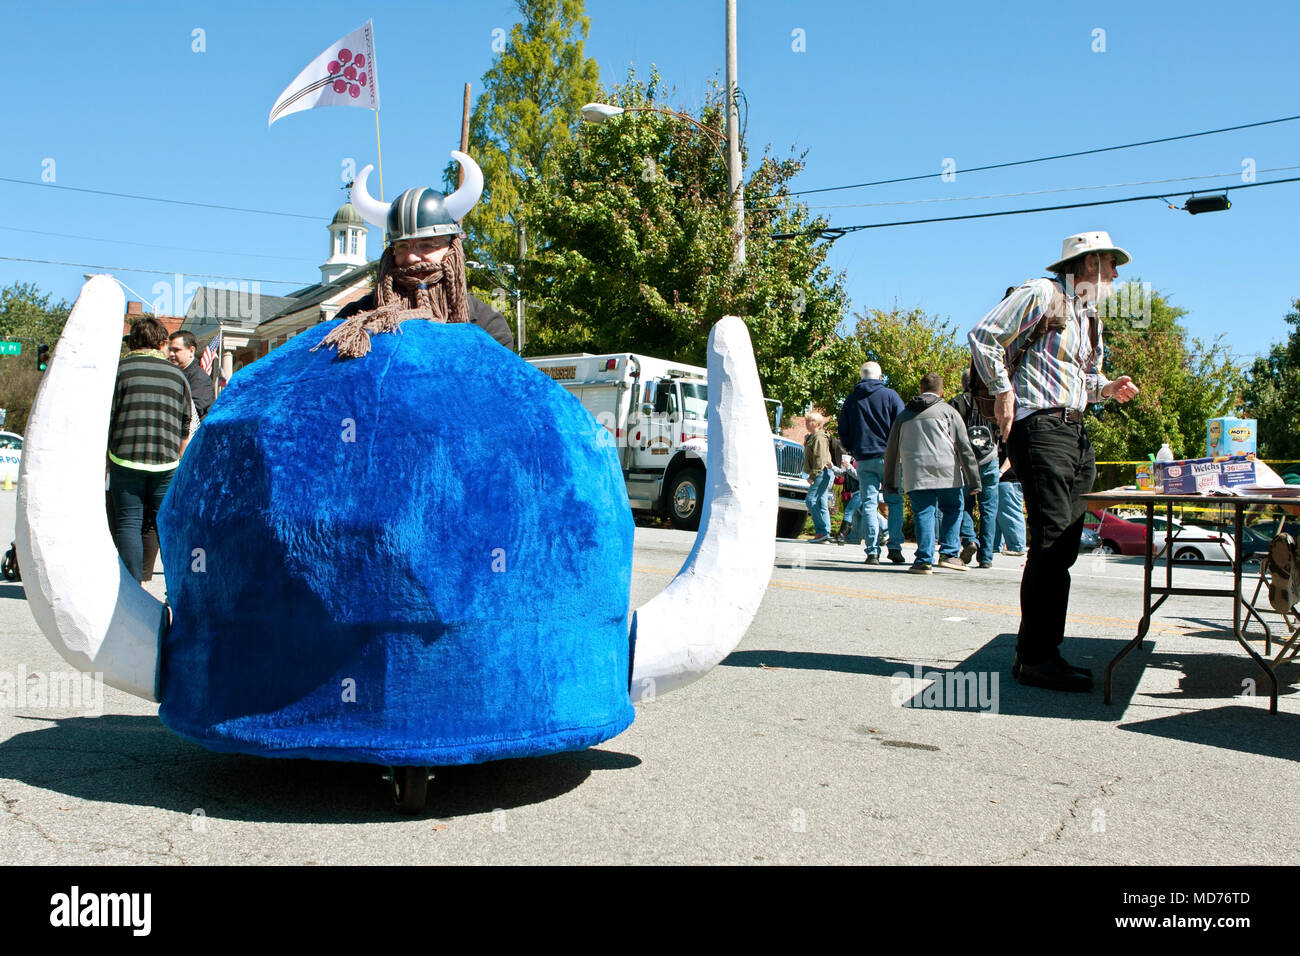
[379,147]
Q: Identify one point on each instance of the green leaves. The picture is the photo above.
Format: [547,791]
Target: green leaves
[1182,382]
[28,315]
[631,236]
[529,106]
[1272,394]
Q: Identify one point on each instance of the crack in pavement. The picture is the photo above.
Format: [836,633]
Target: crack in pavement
[1070,814]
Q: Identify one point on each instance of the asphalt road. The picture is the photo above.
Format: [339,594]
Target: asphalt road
[794,750]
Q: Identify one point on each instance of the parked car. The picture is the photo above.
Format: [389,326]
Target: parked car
[1090,540]
[1123,536]
[11,456]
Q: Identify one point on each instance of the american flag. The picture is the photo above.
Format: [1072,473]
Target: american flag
[210,353]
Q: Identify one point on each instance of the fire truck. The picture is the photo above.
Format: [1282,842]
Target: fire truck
[657,413]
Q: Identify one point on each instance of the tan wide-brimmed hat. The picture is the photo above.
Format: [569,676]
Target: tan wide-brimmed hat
[1074,246]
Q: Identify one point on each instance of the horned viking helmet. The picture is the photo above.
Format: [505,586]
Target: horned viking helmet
[421,211]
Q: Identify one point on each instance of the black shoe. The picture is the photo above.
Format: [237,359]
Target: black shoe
[1085,671]
[896,557]
[1053,674]
[873,559]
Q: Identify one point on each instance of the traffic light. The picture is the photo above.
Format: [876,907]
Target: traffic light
[1199,204]
[42,357]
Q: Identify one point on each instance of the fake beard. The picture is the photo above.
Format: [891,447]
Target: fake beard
[424,290]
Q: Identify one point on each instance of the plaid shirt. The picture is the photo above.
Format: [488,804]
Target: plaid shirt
[1062,370]
[152,412]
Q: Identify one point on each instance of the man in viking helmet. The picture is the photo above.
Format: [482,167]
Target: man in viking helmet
[422,272]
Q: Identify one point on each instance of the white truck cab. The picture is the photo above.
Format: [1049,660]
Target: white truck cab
[656,412]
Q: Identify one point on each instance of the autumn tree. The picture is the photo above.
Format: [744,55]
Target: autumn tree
[530,103]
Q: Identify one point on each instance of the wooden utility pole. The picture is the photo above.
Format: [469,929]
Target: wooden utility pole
[464,135]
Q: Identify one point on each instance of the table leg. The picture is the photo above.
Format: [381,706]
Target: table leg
[1238,628]
[1147,608]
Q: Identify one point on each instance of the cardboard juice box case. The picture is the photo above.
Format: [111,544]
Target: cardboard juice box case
[1230,436]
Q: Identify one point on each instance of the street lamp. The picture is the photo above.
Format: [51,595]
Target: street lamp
[599,112]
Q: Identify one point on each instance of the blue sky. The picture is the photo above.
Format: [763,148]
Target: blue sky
[117,98]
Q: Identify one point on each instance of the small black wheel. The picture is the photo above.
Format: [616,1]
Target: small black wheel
[10,565]
[410,789]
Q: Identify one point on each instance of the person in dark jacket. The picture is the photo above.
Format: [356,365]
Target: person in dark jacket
[182,347]
[864,423]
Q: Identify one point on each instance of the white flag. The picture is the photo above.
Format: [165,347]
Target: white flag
[344,75]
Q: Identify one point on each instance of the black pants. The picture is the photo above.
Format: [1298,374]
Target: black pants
[1054,461]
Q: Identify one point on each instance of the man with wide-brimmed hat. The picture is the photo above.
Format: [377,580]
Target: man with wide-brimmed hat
[422,272]
[1039,351]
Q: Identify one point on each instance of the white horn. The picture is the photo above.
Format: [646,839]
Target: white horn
[463,199]
[372,210]
[94,613]
[700,617]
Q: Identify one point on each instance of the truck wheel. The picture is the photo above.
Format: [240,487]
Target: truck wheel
[789,523]
[686,499]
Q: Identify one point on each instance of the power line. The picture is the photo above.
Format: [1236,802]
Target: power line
[173,202]
[155,245]
[154,272]
[1044,159]
[835,232]
[1042,192]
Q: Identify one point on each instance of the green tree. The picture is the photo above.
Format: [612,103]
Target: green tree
[636,252]
[529,105]
[907,345]
[1182,382]
[1272,394]
[31,317]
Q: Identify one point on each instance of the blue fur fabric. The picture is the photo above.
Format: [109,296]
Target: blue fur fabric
[419,557]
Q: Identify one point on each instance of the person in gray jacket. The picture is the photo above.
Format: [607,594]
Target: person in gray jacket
[929,446]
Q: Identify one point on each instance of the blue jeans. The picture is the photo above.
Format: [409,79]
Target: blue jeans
[871,475]
[818,501]
[948,503]
[1011,516]
[137,496]
[986,498]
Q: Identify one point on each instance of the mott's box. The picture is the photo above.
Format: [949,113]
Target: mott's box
[1230,436]
[1199,475]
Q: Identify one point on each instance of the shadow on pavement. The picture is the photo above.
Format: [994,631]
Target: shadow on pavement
[12,589]
[1245,729]
[979,684]
[136,760]
[1213,676]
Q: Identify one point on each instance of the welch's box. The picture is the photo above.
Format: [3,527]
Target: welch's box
[1199,475]
[1230,436]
